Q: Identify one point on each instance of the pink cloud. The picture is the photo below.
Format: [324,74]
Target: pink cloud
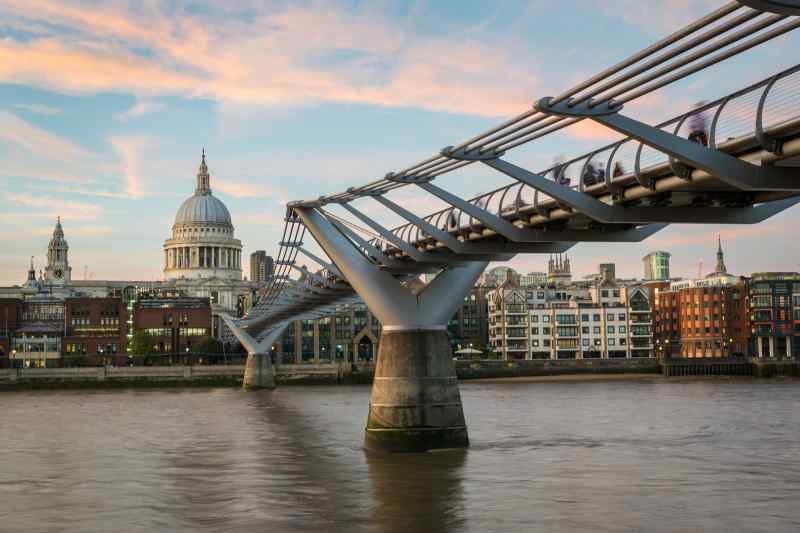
[288,61]
[38,206]
[36,140]
[129,150]
[709,237]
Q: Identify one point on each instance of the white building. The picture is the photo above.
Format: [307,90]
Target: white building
[570,321]
[203,243]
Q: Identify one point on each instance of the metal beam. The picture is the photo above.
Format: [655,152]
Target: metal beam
[725,167]
[618,214]
[408,249]
[321,262]
[457,246]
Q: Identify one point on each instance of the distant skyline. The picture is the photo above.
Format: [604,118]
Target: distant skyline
[105,107]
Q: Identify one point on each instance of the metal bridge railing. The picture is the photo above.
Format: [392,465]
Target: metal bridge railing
[748,113]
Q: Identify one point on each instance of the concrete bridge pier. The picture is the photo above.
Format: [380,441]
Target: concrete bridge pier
[415,404]
[258,372]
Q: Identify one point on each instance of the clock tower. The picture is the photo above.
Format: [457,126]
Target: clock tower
[58,271]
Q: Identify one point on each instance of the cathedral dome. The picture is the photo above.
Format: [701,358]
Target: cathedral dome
[203,207]
[202,244]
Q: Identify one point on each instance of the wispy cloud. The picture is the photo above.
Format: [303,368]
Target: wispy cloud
[79,231]
[38,206]
[139,109]
[129,150]
[38,109]
[276,57]
[36,140]
[251,190]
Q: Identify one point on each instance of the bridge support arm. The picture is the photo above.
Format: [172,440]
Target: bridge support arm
[415,404]
[258,370]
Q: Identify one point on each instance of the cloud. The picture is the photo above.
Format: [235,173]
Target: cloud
[79,231]
[78,190]
[250,190]
[39,206]
[709,237]
[140,109]
[271,57]
[38,109]
[37,141]
[129,149]
[669,15]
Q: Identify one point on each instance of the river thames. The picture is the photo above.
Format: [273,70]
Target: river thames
[643,455]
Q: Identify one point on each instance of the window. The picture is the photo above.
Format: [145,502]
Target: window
[597,342]
[566,319]
[596,330]
[585,318]
[604,293]
[621,317]
[545,331]
[612,342]
[621,329]
[546,318]
[610,317]
[193,332]
[596,318]
[623,342]
[585,330]
[534,331]
[546,343]
[585,342]
[534,318]
[616,293]
[535,343]
[610,329]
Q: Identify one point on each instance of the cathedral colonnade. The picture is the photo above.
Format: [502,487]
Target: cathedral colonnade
[181,257]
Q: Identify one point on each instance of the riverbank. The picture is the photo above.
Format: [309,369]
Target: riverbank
[344,373]
[576,378]
[490,371]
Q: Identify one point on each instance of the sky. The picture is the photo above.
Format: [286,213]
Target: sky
[105,107]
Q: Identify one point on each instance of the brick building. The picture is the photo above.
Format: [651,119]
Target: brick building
[95,330]
[9,312]
[702,318]
[175,324]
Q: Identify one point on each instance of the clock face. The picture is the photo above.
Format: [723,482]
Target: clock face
[58,273]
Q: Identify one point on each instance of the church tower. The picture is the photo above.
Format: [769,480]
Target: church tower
[720,268]
[58,271]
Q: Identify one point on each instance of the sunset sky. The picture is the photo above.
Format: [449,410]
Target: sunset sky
[105,107]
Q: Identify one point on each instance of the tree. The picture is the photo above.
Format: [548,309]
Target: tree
[141,343]
[207,345]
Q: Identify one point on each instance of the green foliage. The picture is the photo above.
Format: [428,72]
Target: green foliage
[141,344]
[207,345]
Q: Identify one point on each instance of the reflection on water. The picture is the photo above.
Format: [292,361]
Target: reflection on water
[430,500]
[654,456]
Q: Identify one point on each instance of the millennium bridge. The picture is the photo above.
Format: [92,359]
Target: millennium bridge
[742,168]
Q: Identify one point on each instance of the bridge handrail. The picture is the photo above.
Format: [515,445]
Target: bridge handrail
[453,213]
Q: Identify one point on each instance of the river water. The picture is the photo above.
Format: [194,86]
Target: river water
[599,456]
